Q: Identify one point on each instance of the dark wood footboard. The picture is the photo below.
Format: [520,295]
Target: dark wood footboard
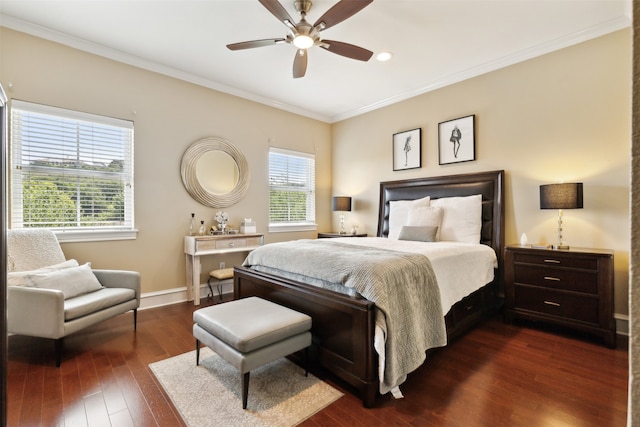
[342,326]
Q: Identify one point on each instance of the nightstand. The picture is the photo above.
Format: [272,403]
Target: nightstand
[572,288]
[329,235]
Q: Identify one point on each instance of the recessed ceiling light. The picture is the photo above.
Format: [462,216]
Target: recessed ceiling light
[384,56]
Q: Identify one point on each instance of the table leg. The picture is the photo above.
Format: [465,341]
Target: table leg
[193,279]
[189,281]
[196,280]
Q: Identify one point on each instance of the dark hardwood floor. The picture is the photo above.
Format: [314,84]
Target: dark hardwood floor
[496,375]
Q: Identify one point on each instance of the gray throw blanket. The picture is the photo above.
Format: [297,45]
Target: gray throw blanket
[402,286]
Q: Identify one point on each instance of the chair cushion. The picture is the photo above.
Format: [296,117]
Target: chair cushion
[251,323]
[94,301]
[72,281]
[16,278]
[223,273]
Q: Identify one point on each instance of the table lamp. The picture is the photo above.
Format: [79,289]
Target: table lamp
[561,196]
[341,204]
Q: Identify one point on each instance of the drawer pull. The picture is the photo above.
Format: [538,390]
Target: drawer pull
[555,304]
[552,261]
[555,279]
[469,307]
[232,244]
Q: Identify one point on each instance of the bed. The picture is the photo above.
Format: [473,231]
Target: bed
[344,325]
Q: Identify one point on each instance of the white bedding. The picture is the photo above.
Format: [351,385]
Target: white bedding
[461,268]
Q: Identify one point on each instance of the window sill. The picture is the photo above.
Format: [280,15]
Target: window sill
[286,228]
[94,235]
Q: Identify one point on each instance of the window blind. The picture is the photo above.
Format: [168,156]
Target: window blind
[70,170]
[292,188]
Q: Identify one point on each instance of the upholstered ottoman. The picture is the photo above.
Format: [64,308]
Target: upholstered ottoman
[249,333]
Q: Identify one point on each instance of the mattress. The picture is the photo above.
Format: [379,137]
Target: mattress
[460,268]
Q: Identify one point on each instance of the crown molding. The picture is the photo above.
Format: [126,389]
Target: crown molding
[125,58]
[116,55]
[505,61]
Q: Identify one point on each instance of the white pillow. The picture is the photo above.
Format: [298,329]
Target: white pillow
[72,281]
[398,213]
[426,216]
[16,278]
[461,218]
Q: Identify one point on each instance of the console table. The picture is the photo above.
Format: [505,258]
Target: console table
[197,246]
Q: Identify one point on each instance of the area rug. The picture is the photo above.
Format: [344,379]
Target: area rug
[210,394]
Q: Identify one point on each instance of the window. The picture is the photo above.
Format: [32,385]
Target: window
[292,190]
[71,172]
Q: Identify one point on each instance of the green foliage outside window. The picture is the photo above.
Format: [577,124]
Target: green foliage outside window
[292,206]
[72,200]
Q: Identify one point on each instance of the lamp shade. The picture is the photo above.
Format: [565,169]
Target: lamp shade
[561,196]
[341,203]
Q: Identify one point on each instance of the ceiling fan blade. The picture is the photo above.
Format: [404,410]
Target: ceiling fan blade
[346,49]
[254,43]
[339,12]
[300,63]
[279,12]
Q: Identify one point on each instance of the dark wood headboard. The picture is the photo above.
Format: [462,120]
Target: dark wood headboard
[489,184]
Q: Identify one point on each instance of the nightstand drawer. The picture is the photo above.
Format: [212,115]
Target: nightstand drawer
[557,278]
[556,261]
[574,307]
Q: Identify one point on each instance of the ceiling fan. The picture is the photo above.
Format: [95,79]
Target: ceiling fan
[304,35]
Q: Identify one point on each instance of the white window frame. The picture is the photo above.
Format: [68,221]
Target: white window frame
[310,223]
[18,166]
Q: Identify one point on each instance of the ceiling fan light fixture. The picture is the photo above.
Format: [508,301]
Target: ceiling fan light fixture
[302,41]
[304,35]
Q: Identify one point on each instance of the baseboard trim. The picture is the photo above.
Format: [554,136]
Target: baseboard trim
[622,324]
[172,296]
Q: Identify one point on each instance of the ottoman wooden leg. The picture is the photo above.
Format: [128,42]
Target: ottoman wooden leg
[197,352]
[245,389]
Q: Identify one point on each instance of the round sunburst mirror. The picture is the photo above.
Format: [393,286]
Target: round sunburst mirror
[215,172]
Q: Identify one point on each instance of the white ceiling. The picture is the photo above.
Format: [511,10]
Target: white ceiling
[434,43]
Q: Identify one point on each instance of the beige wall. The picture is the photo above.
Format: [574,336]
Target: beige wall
[564,116]
[169,115]
[561,117]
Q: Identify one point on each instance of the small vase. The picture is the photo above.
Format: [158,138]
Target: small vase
[201,232]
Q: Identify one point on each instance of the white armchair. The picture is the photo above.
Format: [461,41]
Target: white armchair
[40,278]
